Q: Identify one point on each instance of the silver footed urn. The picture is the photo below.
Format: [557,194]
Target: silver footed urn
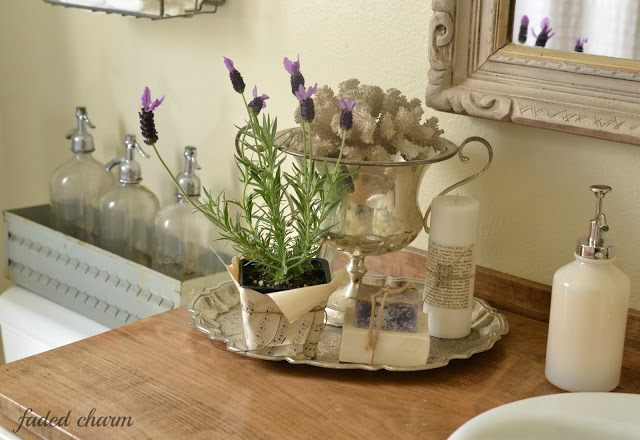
[378,212]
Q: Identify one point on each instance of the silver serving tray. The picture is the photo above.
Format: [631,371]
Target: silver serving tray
[217,313]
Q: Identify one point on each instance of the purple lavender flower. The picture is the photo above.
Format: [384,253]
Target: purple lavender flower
[147,123]
[346,115]
[236,79]
[546,25]
[303,94]
[307,108]
[524,25]
[147,105]
[258,102]
[293,67]
[545,33]
[579,44]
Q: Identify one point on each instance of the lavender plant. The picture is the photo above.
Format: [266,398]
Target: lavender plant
[546,32]
[524,26]
[293,67]
[280,219]
[579,44]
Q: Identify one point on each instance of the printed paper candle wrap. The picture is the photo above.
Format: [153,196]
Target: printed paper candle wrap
[285,323]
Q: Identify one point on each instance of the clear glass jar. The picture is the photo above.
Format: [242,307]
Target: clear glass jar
[77,185]
[182,242]
[127,212]
[74,191]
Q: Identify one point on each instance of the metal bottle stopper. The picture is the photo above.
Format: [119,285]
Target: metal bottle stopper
[81,139]
[595,246]
[129,170]
[188,180]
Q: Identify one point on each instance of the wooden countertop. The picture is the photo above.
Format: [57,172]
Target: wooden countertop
[174,383]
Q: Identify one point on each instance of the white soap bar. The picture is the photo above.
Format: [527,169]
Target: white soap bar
[398,349]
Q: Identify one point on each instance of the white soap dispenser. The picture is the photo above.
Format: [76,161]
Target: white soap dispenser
[128,209]
[77,185]
[589,306]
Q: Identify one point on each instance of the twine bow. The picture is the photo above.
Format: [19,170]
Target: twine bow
[374,330]
[448,276]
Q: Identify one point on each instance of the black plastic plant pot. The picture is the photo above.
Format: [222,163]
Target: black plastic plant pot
[248,270]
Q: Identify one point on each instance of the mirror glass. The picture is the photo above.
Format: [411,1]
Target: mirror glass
[598,27]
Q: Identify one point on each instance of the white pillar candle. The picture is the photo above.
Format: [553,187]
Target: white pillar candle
[451,265]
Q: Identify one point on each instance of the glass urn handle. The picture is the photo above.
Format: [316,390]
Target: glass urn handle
[463,159]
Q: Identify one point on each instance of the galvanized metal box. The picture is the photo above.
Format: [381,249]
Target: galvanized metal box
[98,284]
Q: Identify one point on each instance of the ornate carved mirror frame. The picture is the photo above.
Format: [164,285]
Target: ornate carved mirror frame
[476,71]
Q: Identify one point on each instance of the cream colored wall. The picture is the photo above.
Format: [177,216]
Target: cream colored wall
[535,198]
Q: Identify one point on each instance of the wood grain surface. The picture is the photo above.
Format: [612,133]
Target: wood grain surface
[175,383]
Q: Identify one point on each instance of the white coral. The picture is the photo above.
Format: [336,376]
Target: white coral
[378,154]
[386,125]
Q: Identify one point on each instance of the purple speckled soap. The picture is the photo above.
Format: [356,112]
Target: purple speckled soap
[400,312]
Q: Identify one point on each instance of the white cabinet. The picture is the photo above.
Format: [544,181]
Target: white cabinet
[31,324]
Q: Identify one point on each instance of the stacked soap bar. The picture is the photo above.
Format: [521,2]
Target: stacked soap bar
[398,349]
[402,337]
[400,312]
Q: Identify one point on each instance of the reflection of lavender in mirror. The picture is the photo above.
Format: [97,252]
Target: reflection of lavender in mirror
[579,44]
[524,26]
[545,33]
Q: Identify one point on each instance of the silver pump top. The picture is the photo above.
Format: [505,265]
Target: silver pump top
[188,180]
[129,170]
[81,139]
[596,247]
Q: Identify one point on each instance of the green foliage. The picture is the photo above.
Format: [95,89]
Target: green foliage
[281,218]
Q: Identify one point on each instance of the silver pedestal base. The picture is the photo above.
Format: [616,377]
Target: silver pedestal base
[344,297]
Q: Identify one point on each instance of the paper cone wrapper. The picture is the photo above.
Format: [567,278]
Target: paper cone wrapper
[284,323]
